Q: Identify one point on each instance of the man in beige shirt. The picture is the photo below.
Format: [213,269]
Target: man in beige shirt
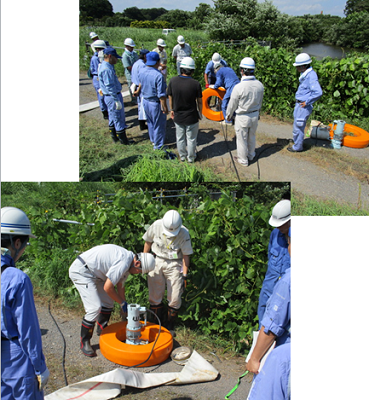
[170,241]
[246,101]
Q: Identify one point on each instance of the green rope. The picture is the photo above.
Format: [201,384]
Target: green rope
[237,384]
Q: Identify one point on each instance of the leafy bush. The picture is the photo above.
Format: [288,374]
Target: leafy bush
[229,236]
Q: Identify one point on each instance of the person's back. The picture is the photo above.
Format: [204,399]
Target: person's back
[185,91]
[226,77]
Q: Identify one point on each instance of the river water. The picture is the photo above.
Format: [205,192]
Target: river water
[321,50]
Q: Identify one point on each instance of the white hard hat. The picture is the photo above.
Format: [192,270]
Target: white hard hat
[187,62]
[217,64]
[180,39]
[281,213]
[247,63]
[172,223]
[160,42]
[302,59]
[129,42]
[216,57]
[99,44]
[93,35]
[15,222]
[147,262]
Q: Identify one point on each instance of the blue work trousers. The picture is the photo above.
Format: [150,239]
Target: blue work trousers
[101,100]
[18,378]
[300,116]
[156,123]
[225,101]
[117,118]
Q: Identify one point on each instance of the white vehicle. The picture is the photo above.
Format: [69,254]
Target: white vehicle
[167,31]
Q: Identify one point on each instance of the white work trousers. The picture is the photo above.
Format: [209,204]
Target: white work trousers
[166,272]
[245,126]
[91,290]
[187,135]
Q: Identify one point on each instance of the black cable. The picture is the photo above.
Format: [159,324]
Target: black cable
[229,150]
[152,350]
[267,148]
[64,348]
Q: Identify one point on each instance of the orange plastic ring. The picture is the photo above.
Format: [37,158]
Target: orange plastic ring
[207,112]
[114,348]
[359,141]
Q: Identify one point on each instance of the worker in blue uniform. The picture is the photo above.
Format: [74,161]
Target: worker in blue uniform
[308,92]
[209,75]
[153,90]
[98,45]
[135,73]
[279,259]
[111,89]
[274,380]
[23,369]
[227,78]
[275,326]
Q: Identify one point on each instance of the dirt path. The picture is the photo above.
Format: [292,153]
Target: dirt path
[272,162]
[59,325]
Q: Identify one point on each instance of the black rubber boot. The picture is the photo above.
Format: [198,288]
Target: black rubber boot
[159,311]
[143,125]
[103,319]
[113,133]
[87,329]
[172,316]
[105,114]
[123,137]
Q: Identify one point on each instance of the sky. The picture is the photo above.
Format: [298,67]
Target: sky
[291,7]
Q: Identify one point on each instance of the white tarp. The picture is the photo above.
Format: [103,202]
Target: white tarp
[109,385]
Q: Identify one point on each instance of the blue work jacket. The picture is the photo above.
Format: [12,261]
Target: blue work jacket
[153,84]
[309,89]
[19,324]
[278,261]
[226,78]
[109,82]
[277,316]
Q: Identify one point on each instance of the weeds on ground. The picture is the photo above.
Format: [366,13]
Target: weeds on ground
[305,205]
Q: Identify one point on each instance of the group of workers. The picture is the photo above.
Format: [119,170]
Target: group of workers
[99,274]
[240,105]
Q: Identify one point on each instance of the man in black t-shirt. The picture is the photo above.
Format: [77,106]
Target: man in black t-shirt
[185,101]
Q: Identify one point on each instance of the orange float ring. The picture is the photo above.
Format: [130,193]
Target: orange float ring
[207,112]
[359,141]
[114,348]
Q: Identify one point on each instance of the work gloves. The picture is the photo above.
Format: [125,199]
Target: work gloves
[207,85]
[118,105]
[100,92]
[42,379]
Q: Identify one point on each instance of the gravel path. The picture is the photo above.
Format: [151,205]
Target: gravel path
[56,323]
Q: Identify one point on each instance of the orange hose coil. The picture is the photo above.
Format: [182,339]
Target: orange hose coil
[359,141]
[207,112]
[114,348]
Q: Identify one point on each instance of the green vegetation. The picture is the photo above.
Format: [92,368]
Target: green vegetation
[305,205]
[229,233]
[239,19]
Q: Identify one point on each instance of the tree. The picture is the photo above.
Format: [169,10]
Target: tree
[356,6]
[176,18]
[200,16]
[95,9]
[134,13]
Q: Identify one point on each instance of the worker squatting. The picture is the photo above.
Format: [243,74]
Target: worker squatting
[146,74]
[100,274]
